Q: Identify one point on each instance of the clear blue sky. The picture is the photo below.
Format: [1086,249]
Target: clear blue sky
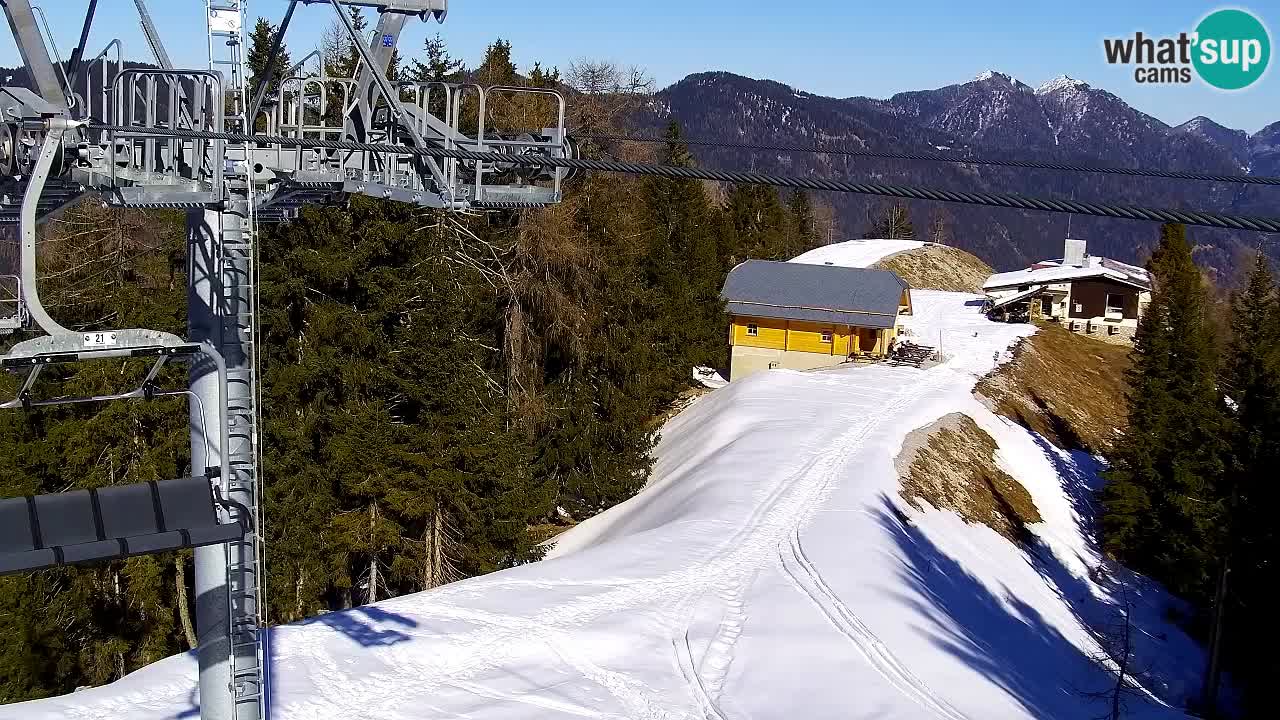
[831,47]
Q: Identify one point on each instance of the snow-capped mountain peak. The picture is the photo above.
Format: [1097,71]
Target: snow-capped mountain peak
[1196,123]
[996,76]
[1062,83]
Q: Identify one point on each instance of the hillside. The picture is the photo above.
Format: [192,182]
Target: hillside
[774,530]
[925,266]
[939,267]
[1065,387]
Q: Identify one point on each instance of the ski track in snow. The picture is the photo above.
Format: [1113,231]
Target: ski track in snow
[808,580]
[815,481]
[689,671]
[772,524]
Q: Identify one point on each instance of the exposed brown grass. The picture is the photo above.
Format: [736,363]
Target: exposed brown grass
[682,401]
[938,267]
[546,531]
[951,465]
[1069,388]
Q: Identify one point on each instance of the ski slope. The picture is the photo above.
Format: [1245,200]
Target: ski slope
[768,570]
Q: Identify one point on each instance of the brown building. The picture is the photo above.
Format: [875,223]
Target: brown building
[1089,295]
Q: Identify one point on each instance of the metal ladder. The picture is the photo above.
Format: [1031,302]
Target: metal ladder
[238,266]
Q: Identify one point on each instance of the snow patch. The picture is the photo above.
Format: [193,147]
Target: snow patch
[991,75]
[856,253]
[1062,83]
[708,377]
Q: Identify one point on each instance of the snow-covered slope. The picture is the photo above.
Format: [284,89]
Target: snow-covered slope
[769,570]
[856,253]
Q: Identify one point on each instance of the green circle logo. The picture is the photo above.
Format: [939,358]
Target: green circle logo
[1232,49]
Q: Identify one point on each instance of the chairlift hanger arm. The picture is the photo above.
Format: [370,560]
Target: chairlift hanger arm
[77,54]
[153,37]
[273,59]
[392,96]
[50,149]
[35,56]
[69,94]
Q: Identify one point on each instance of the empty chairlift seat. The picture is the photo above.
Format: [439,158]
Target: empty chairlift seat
[110,523]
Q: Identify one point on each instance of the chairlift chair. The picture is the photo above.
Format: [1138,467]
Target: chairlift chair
[111,523]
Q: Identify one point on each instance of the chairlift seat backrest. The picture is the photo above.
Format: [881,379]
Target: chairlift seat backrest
[109,523]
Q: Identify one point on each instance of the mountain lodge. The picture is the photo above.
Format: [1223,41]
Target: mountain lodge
[1088,295]
[801,317]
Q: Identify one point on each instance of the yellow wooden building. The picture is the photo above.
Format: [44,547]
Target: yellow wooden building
[797,316]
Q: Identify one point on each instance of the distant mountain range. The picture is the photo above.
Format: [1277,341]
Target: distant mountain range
[992,115]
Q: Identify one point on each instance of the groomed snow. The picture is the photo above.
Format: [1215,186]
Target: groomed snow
[856,253]
[769,570]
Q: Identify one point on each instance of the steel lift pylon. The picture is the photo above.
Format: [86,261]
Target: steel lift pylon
[93,126]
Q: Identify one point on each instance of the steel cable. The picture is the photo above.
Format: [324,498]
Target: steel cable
[933,157]
[907,192]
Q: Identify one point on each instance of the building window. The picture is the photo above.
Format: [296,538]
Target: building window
[1079,307]
[826,336]
[753,330]
[1115,304]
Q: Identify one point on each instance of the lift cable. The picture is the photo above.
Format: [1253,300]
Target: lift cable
[1005,200]
[953,158]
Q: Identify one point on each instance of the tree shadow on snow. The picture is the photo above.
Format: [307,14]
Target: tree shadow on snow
[368,631]
[1172,662]
[1081,479]
[371,630]
[1004,637]
[193,705]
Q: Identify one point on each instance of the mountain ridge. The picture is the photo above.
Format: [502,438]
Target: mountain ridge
[994,115]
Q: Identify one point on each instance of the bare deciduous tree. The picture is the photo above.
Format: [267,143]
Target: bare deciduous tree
[607,92]
[1116,638]
[940,227]
[892,222]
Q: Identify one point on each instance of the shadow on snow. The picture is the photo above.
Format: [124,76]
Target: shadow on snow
[368,626]
[1011,643]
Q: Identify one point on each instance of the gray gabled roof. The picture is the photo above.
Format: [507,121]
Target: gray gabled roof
[814,293]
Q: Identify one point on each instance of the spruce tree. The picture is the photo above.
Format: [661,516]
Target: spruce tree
[440,66]
[757,226]
[1163,500]
[1251,379]
[803,236]
[682,264]
[384,417]
[259,57]
[497,68]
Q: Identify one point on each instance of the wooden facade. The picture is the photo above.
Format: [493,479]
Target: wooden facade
[1090,297]
[798,336]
